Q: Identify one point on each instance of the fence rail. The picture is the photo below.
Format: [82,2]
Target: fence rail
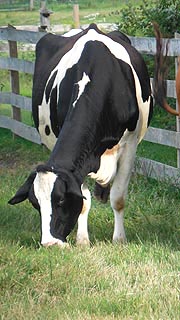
[144,166]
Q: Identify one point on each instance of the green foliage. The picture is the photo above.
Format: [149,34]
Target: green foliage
[137,20]
[14,4]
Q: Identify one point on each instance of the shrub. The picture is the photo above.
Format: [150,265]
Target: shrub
[138,20]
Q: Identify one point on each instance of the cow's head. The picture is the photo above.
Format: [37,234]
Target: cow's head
[58,197]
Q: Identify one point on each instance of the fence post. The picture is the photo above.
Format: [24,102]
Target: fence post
[76,15]
[31,5]
[14,78]
[44,17]
[177,62]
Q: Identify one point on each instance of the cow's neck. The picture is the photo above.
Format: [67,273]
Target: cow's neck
[75,151]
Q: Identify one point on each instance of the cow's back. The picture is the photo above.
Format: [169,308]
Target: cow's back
[107,73]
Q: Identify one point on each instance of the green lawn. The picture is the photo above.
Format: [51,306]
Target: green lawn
[139,280]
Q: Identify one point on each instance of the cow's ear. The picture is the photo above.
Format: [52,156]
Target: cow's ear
[23,191]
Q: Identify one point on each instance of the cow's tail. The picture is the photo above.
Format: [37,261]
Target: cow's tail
[160,73]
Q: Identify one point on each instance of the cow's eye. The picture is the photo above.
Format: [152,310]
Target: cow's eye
[61,201]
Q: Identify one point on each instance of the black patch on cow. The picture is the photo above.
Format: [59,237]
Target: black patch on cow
[53,112]
[119,35]
[44,168]
[64,217]
[137,62]
[47,130]
[67,201]
[49,86]
[68,92]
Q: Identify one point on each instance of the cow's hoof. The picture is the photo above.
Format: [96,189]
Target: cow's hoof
[48,244]
[62,244]
[57,242]
[82,241]
[119,240]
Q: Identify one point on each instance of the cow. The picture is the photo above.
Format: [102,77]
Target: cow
[92,104]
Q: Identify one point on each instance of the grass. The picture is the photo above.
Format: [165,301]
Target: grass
[63,13]
[139,280]
[102,282]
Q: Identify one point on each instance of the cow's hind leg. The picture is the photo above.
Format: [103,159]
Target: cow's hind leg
[119,187]
[82,232]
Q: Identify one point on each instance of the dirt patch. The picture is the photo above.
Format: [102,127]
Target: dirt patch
[8,161]
[13,162]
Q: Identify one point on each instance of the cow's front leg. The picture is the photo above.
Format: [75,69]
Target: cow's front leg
[82,232]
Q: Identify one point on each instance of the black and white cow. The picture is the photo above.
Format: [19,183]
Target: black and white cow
[92,105]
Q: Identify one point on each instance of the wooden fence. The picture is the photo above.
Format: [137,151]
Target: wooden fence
[144,45]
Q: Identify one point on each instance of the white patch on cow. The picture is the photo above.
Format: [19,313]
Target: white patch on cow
[43,186]
[44,120]
[82,84]
[82,237]
[108,166]
[143,109]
